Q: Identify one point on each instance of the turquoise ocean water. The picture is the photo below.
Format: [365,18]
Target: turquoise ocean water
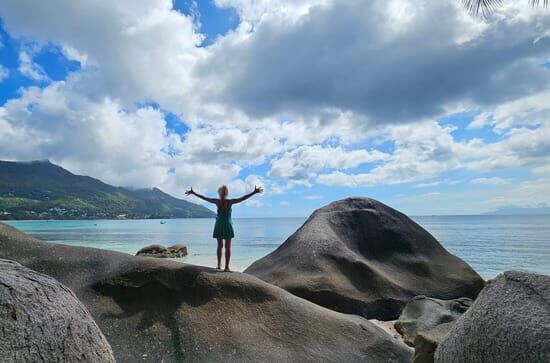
[490,244]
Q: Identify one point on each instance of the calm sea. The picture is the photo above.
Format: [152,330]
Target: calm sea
[491,244]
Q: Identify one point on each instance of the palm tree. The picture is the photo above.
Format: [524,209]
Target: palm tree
[487,6]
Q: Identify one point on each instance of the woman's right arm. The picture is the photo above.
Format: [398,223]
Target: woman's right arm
[192,192]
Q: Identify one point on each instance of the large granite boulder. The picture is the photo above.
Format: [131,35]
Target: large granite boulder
[423,313]
[43,321]
[158,310]
[360,256]
[508,322]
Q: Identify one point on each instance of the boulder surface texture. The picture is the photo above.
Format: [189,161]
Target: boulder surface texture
[423,313]
[360,256]
[158,310]
[508,322]
[42,321]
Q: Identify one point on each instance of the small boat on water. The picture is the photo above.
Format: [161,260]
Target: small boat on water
[162,222]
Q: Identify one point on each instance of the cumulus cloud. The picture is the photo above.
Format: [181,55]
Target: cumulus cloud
[437,183]
[421,151]
[489,181]
[304,162]
[254,11]
[531,110]
[231,145]
[314,197]
[427,150]
[30,69]
[133,50]
[521,146]
[4,73]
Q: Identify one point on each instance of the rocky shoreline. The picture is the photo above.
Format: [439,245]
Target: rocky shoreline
[309,301]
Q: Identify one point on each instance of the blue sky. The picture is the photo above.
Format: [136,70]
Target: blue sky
[316,100]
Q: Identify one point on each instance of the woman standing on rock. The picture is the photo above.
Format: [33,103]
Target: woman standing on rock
[223,230]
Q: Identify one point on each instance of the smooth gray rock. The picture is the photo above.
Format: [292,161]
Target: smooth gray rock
[423,313]
[508,322]
[158,310]
[426,342]
[360,256]
[42,321]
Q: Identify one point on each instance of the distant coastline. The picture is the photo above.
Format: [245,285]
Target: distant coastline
[488,214]
[518,211]
[104,219]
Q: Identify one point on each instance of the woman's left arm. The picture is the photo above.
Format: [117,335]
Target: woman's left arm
[246,196]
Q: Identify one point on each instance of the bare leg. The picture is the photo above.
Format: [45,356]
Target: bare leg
[219,253]
[227,254]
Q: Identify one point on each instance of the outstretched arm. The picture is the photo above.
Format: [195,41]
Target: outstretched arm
[192,192]
[246,196]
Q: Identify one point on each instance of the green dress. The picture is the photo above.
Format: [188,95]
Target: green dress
[224,227]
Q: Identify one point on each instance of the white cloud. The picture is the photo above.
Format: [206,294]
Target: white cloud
[521,146]
[73,54]
[531,110]
[314,197]
[421,151]
[253,11]
[304,162]
[429,184]
[542,170]
[436,183]
[231,145]
[489,181]
[426,150]
[29,68]
[481,120]
[4,73]
[133,50]
[240,186]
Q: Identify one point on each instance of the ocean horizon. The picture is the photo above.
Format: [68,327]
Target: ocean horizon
[491,244]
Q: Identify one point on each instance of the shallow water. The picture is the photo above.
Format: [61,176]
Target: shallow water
[490,244]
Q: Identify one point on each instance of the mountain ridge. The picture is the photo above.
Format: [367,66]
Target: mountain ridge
[43,190]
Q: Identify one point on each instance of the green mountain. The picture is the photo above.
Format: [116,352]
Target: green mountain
[42,190]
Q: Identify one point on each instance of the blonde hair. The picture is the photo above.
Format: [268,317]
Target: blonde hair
[223,191]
